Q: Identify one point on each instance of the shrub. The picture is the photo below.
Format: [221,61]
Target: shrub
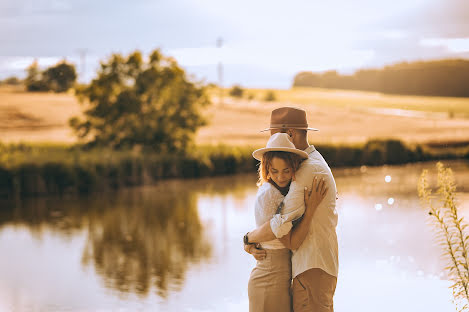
[236,91]
[270,96]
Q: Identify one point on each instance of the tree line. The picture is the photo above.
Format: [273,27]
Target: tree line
[431,78]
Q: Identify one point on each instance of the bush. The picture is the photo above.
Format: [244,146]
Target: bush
[236,91]
[270,96]
[380,152]
[58,78]
[12,81]
[33,170]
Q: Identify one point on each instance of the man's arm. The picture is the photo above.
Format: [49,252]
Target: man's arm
[261,234]
[312,199]
[281,224]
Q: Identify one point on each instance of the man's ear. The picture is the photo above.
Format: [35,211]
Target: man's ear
[290,133]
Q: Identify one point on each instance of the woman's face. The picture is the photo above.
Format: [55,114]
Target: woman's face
[280,172]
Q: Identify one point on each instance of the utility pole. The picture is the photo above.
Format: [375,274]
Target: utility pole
[220,73]
[82,53]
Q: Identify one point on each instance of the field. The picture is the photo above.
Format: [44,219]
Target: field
[342,117]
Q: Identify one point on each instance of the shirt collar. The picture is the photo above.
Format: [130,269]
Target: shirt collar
[310,149]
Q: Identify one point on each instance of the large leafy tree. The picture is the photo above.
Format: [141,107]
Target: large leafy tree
[145,103]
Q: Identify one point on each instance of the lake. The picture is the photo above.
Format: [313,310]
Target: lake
[177,246]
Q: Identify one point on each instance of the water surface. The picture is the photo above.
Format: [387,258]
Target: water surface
[177,246]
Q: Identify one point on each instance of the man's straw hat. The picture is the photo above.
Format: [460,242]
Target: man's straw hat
[289,118]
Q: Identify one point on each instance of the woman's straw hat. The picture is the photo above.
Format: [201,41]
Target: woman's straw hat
[279,142]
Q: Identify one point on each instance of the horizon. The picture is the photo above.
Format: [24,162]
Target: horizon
[263,44]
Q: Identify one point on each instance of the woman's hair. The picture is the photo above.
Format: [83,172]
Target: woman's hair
[293,161]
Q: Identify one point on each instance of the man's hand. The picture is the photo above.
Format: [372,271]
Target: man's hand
[256,251]
[315,195]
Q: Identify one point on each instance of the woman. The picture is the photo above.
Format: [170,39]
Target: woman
[269,284]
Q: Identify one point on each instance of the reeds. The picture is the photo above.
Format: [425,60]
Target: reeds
[451,230]
[46,169]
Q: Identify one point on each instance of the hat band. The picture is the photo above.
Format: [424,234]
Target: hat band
[289,125]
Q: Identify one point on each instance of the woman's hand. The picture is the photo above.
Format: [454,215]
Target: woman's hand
[255,250]
[315,195]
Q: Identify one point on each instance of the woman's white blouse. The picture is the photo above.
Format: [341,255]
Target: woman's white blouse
[268,198]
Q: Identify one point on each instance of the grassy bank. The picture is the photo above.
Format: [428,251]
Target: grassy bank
[35,170]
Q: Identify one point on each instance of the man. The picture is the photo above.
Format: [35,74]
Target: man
[315,260]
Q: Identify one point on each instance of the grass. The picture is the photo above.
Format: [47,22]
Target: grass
[44,169]
[363,100]
[451,230]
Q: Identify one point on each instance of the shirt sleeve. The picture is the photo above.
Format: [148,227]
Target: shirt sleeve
[294,202]
[294,207]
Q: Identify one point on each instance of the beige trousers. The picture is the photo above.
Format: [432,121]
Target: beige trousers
[313,291]
[269,285]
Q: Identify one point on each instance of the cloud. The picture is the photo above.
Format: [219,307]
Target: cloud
[276,37]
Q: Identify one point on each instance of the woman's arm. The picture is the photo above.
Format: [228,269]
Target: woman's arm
[312,198]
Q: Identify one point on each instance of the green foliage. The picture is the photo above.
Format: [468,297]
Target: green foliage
[270,96]
[34,81]
[58,78]
[133,102]
[380,152]
[33,170]
[434,78]
[236,91]
[61,77]
[451,230]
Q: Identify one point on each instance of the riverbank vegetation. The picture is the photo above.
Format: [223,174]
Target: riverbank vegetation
[45,169]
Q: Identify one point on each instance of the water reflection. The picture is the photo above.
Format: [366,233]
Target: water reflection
[135,239]
[177,246]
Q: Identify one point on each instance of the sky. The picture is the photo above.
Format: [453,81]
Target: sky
[263,43]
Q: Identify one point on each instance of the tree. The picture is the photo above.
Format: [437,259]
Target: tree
[33,81]
[60,77]
[136,103]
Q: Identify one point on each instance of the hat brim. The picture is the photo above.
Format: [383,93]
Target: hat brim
[257,154]
[309,129]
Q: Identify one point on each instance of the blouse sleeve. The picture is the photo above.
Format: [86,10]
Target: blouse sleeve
[267,200]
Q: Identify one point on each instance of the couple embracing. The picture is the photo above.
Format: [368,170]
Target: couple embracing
[295,242]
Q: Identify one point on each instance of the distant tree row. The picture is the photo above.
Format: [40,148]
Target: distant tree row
[11,81]
[238,92]
[57,78]
[432,78]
